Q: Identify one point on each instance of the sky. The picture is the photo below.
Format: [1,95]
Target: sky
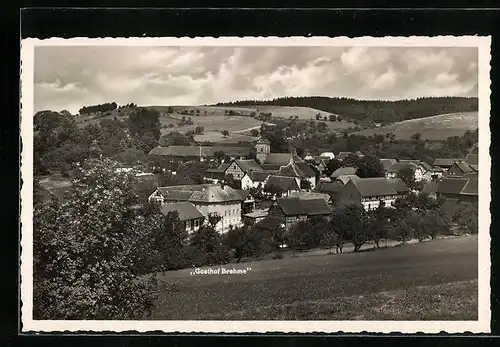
[71,77]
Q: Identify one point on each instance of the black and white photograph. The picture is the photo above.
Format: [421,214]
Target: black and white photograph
[256,184]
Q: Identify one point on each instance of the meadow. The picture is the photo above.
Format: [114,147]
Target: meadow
[434,280]
[431,128]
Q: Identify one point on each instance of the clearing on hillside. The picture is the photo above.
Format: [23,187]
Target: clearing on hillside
[430,128]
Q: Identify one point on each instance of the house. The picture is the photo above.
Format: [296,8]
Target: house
[191,218]
[293,210]
[462,168]
[215,175]
[418,170]
[210,199]
[472,159]
[238,168]
[255,179]
[370,192]
[333,189]
[299,171]
[445,163]
[276,160]
[284,183]
[345,178]
[255,217]
[349,170]
[247,201]
[387,163]
[458,188]
[434,173]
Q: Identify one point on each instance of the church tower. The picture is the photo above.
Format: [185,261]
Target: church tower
[263,148]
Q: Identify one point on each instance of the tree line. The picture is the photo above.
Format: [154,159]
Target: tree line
[110,106]
[378,111]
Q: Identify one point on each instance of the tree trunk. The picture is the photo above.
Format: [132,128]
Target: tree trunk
[377,243]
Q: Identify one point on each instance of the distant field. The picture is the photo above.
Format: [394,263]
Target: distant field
[431,128]
[435,280]
[211,123]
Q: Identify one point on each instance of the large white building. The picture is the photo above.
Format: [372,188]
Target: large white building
[209,199]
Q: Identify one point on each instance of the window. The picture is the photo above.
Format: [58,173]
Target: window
[196,223]
[234,167]
[225,213]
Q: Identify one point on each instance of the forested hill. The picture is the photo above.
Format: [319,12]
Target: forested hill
[372,110]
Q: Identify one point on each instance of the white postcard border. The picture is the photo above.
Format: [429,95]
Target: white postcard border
[482,325]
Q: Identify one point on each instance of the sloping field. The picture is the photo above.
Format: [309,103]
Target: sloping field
[431,128]
[430,281]
[212,123]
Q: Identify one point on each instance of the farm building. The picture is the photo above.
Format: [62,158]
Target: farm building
[300,171]
[345,178]
[333,189]
[445,163]
[238,168]
[458,188]
[255,179]
[191,218]
[285,184]
[462,168]
[387,163]
[370,192]
[255,217]
[418,171]
[247,201]
[293,210]
[208,198]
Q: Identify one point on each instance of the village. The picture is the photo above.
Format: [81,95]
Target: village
[297,189]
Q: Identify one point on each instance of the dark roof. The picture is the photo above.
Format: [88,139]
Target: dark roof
[186,210]
[284,182]
[281,158]
[387,163]
[271,167]
[291,170]
[223,166]
[451,185]
[207,193]
[344,171]
[423,164]
[243,193]
[257,214]
[259,176]
[306,169]
[472,159]
[310,207]
[264,140]
[270,223]
[464,167]
[248,165]
[445,162]
[471,188]
[214,173]
[329,187]
[379,186]
[474,167]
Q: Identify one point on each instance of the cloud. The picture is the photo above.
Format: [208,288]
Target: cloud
[70,77]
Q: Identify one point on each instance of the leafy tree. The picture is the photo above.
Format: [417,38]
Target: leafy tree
[407,175]
[416,224]
[295,237]
[369,166]
[243,242]
[417,137]
[225,133]
[352,160]
[144,125]
[434,223]
[214,219]
[254,132]
[199,130]
[380,225]
[318,116]
[210,249]
[90,250]
[402,231]
[219,155]
[170,109]
[130,156]
[331,166]
[273,190]
[305,184]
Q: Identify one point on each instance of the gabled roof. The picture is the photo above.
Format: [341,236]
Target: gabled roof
[270,223]
[243,193]
[429,187]
[263,140]
[475,167]
[387,163]
[472,159]
[223,166]
[306,169]
[344,171]
[186,210]
[284,182]
[290,170]
[420,163]
[281,158]
[445,162]
[452,185]
[346,178]
[309,207]
[206,193]
[329,187]
[259,176]
[248,165]
[471,188]
[379,186]
[464,167]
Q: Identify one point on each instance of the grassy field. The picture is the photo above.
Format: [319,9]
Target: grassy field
[212,123]
[431,128]
[430,281]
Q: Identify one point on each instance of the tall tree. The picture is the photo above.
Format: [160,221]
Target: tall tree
[144,125]
[89,250]
[369,166]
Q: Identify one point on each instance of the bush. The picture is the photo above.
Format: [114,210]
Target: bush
[278,255]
